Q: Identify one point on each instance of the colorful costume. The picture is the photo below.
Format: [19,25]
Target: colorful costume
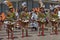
[54,21]
[11,16]
[24,16]
[41,22]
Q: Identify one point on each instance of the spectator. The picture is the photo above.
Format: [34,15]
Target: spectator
[34,18]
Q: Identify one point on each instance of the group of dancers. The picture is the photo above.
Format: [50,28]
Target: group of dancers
[24,18]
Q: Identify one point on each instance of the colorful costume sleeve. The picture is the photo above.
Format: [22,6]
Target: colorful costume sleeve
[21,15]
[55,15]
[11,16]
[42,15]
[24,15]
[27,16]
[8,3]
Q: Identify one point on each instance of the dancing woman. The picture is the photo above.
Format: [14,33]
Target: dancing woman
[10,18]
[54,21]
[41,20]
[25,17]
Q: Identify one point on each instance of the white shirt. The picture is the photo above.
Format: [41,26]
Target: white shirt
[59,14]
[17,15]
[34,16]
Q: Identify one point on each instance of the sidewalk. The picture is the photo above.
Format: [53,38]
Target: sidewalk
[33,36]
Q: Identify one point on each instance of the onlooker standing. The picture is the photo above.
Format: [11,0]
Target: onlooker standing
[34,18]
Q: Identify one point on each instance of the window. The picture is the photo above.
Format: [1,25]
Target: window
[0,7]
[4,8]
[54,0]
[14,4]
[35,4]
[30,5]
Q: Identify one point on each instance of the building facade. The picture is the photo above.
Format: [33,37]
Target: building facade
[30,4]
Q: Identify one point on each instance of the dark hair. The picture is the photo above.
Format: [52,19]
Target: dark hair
[10,9]
[54,9]
[59,9]
[24,8]
[41,8]
[0,16]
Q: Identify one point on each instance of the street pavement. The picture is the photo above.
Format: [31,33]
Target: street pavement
[33,35]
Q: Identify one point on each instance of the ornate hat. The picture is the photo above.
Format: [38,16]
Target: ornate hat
[8,3]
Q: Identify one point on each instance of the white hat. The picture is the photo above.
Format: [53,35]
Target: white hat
[24,4]
[5,2]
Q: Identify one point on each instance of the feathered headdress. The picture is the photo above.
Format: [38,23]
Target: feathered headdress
[8,3]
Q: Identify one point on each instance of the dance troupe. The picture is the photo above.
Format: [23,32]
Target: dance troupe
[12,19]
